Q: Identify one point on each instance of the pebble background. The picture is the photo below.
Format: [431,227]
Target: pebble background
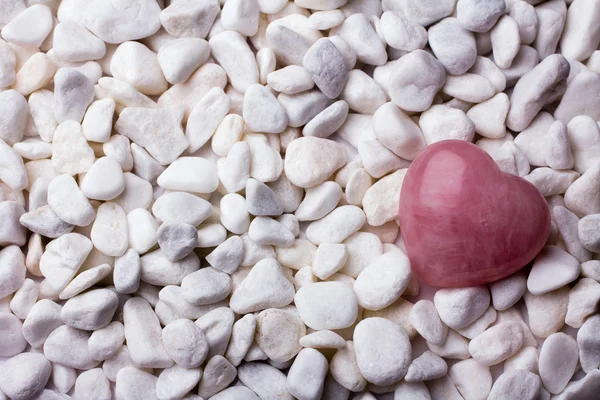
[199,198]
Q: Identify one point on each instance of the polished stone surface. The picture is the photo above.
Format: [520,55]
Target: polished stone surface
[463,221]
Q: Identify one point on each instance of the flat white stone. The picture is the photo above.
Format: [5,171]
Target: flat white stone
[71,153]
[459,307]
[91,310]
[123,20]
[253,375]
[506,292]
[104,180]
[109,232]
[455,347]
[327,305]
[441,122]
[143,335]
[360,35]
[179,58]
[158,131]
[105,342]
[185,343]
[583,298]
[182,175]
[426,321]
[264,287]
[25,375]
[190,18]
[68,346]
[472,379]
[242,337]
[383,281]
[159,270]
[497,343]
[558,348]
[63,257]
[374,339]
[278,332]
[217,375]
[553,268]
[336,226]
[262,112]
[42,319]
[306,376]
[329,259]
[12,341]
[232,52]
[73,93]
[85,280]
[205,117]
[519,383]
[72,42]
[426,367]
[344,369]
[92,382]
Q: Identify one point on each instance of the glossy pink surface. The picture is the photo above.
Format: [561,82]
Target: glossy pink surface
[464,222]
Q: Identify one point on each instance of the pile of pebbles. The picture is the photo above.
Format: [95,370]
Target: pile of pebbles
[199,198]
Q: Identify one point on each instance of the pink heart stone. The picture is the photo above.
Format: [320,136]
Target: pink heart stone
[464,222]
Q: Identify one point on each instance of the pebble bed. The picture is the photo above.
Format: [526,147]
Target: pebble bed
[199,198]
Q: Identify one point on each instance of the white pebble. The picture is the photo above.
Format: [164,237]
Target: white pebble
[459,307]
[71,154]
[552,269]
[558,359]
[415,80]
[92,383]
[137,65]
[254,375]
[580,36]
[185,343]
[25,375]
[264,287]
[122,21]
[12,341]
[72,42]
[306,376]
[453,45]
[497,343]
[42,319]
[329,259]
[278,332]
[374,339]
[132,382]
[143,335]
[425,319]
[381,200]
[327,305]
[158,131]
[63,257]
[158,270]
[218,374]
[105,342]
[383,281]
[455,347]
[507,291]
[441,122]
[426,367]
[522,384]
[181,175]
[336,226]
[547,312]
[68,346]
[473,380]
[360,35]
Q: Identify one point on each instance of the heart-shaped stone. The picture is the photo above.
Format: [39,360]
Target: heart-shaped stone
[463,221]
